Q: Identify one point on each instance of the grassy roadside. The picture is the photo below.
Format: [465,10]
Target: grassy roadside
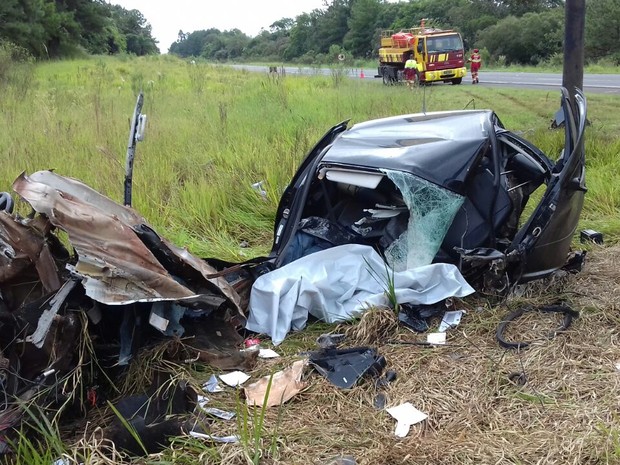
[602,67]
[212,132]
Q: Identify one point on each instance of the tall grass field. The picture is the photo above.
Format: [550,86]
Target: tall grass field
[212,132]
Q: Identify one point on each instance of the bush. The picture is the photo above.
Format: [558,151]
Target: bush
[11,57]
[16,69]
[556,60]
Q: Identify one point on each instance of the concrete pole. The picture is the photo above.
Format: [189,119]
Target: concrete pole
[574,26]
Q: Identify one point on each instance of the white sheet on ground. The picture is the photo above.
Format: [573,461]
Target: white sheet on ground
[336,285]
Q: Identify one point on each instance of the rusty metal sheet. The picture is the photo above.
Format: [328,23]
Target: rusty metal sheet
[115,264]
[28,248]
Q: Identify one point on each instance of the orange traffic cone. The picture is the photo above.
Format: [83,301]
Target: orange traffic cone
[362,74]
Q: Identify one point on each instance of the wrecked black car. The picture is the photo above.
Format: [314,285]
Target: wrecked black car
[439,187]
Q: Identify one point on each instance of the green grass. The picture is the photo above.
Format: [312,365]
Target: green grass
[213,131]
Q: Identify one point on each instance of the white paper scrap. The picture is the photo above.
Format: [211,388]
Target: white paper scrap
[61,461]
[436,338]
[450,319]
[405,416]
[268,353]
[227,439]
[202,400]
[234,378]
[211,385]
[158,322]
[223,414]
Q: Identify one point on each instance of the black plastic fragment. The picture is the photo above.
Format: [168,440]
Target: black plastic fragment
[416,317]
[590,235]
[345,367]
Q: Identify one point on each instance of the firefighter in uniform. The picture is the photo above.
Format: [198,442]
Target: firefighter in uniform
[411,71]
[476,62]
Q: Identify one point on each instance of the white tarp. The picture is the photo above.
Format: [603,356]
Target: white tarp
[336,285]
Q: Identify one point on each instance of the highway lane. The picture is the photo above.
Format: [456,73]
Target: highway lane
[592,83]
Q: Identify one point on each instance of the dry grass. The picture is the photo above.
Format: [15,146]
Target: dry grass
[375,325]
[566,412]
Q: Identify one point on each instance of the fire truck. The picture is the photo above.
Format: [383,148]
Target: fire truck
[439,54]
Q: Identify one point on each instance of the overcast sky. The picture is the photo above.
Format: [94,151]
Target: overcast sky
[167,17]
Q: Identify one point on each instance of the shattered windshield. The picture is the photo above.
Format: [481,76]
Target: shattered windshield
[448,43]
[431,211]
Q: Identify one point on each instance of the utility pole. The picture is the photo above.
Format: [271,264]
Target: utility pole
[574,26]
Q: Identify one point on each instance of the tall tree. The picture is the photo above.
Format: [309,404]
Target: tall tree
[362,37]
[137,31]
[602,29]
[333,25]
[22,22]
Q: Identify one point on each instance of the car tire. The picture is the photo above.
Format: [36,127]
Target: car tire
[456,81]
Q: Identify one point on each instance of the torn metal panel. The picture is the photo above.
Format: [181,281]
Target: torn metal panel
[23,244]
[116,264]
[48,315]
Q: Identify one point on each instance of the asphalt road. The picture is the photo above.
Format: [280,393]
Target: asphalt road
[592,83]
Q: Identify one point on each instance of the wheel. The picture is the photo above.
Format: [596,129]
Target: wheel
[386,79]
[457,81]
[6,202]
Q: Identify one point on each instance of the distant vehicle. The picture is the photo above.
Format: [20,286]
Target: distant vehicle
[439,54]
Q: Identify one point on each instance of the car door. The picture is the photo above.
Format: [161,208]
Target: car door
[543,242]
[294,196]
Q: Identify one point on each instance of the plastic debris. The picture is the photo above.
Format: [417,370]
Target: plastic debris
[450,319]
[330,341]
[436,338]
[233,439]
[267,353]
[211,385]
[258,187]
[406,415]
[235,378]
[284,385]
[345,367]
[202,401]
[251,342]
[216,412]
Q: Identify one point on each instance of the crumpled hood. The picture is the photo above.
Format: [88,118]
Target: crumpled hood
[115,263]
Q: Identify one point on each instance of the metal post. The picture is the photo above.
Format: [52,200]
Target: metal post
[574,26]
[131,149]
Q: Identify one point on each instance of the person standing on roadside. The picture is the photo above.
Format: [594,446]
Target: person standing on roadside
[476,63]
[411,71]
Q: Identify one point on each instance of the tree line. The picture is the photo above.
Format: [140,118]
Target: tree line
[65,28]
[507,31]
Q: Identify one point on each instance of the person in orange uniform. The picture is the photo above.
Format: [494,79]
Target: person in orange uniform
[476,62]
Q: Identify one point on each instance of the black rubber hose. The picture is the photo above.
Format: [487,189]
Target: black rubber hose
[569,315]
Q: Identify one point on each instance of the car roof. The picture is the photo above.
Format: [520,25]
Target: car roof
[437,146]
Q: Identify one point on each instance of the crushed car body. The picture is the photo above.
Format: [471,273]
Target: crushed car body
[439,187]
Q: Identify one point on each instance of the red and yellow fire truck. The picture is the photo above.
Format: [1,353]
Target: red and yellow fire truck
[439,54]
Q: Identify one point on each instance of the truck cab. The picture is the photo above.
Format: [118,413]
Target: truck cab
[439,54]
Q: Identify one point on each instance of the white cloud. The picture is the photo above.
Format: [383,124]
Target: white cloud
[167,17]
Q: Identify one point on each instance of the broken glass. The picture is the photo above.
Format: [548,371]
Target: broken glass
[431,211]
